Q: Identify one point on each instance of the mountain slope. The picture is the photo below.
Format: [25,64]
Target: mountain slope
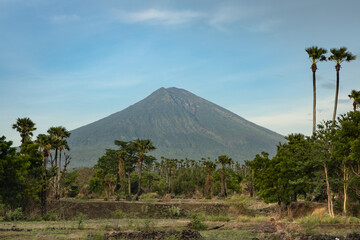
[180,124]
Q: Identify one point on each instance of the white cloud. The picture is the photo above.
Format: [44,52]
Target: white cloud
[164,17]
[65,18]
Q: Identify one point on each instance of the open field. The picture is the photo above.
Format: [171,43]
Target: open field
[242,218]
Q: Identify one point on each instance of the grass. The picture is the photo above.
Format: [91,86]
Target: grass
[229,234]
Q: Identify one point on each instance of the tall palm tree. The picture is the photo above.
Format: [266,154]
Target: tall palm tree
[209,166]
[316,54]
[25,127]
[171,166]
[223,160]
[339,55]
[142,147]
[44,142]
[355,96]
[60,144]
[122,155]
[59,134]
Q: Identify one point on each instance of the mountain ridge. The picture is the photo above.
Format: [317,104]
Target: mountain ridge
[180,124]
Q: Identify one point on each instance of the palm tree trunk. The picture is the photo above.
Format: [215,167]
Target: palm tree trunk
[314,98]
[223,188]
[328,192]
[169,187]
[337,67]
[346,184]
[129,183]
[122,175]
[140,172]
[44,184]
[251,183]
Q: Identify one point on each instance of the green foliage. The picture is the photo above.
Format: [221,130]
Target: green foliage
[288,173]
[80,220]
[197,222]
[16,215]
[20,174]
[119,214]
[174,211]
[96,185]
[70,184]
[309,224]
[148,226]
[51,216]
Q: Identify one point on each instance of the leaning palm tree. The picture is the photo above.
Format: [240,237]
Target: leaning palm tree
[223,160]
[316,54]
[339,56]
[355,96]
[142,147]
[25,127]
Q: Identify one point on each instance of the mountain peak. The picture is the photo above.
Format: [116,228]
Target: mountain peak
[180,124]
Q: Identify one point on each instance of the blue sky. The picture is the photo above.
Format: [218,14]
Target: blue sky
[71,63]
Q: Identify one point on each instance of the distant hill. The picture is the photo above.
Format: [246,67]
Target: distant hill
[180,124]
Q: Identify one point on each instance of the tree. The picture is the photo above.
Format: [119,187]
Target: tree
[25,127]
[171,166]
[20,174]
[339,56]
[323,150]
[141,147]
[346,150]
[224,160]
[59,134]
[45,145]
[316,54]
[209,167]
[355,96]
[286,175]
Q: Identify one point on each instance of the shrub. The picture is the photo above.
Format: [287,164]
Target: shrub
[51,216]
[80,218]
[96,185]
[15,215]
[174,211]
[197,223]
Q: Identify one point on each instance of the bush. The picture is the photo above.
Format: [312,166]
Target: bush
[149,196]
[15,215]
[174,211]
[197,223]
[80,218]
[96,185]
[51,216]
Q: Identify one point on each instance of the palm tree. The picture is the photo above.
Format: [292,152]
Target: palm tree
[60,144]
[223,160]
[209,166]
[44,142]
[142,147]
[355,96]
[25,127]
[59,134]
[316,54]
[339,56]
[171,165]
